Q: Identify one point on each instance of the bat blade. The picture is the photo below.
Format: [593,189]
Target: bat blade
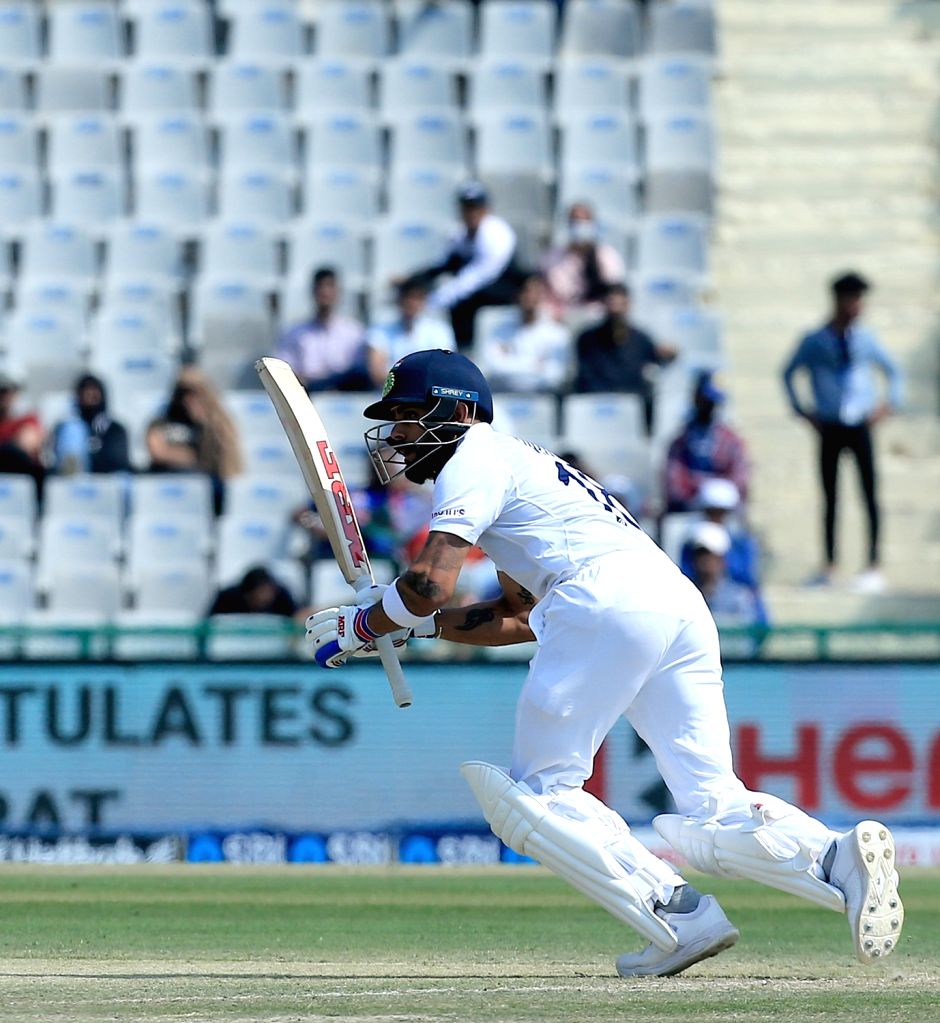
[324,478]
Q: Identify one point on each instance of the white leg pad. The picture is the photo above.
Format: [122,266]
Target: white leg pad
[767,848]
[572,849]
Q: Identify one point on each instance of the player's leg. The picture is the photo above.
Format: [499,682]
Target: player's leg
[723,828]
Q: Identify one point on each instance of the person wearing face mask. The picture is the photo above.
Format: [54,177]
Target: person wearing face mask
[579,272]
[616,357]
[706,448]
[90,440]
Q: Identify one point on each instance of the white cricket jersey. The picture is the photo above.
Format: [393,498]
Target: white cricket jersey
[539,519]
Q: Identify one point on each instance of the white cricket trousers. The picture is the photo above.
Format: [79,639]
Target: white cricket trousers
[630,635]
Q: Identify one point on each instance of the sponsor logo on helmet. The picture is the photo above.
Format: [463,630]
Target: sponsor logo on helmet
[455,392]
[389,383]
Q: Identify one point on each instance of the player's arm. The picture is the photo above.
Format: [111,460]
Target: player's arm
[500,622]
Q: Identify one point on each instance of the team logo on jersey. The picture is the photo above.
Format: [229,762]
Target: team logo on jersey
[389,383]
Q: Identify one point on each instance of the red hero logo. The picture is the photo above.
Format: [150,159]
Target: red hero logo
[347,516]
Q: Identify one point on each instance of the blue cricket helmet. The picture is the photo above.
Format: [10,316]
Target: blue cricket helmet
[434,378]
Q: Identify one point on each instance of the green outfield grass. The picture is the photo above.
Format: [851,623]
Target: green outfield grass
[293,945]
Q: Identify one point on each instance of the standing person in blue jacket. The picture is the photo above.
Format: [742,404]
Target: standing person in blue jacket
[839,358]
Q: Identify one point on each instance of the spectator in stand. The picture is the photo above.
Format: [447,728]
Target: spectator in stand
[481,262]
[839,358]
[529,351]
[731,603]
[579,272]
[21,434]
[259,593]
[327,352]
[719,500]
[195,434]
[705,448]
[615,356]
[412,330]
[90,440]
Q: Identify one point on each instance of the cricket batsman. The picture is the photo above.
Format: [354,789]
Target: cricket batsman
[620,631]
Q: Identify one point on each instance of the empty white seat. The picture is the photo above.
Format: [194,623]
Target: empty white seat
[19,142]
[430,189]
[61,88]
[268,497]
[599,138]
[666,83]
[415,85]
[342,416]
[352,28]
[149,87]
[17,496]
[343,138]
[74,540]
[348,193]
[611,190]
[82,592]
[19,32]
[98,495]
[163,540]
[669,243]
[518,29]
[440,32]
[44,343]
[244,542]
[157,300]
[172,495]
[20,199]
[315,243]
[696,332]
[269,455]
[525,201]
[16,590]
[12,89]
[68,298]
[131,373]
[253,413]
[143,251]
[258,140]
[88,31]
[591,420]
[680,141]
[56,251]
[269,30]
[16,538]
[601,27]
[590,84]
[403,246]
[137,412]
[239,248]
[84,141]
[506,83]
[652,291]
[331,84]
[178,31]
[130,329]
[182,587]
[328,587]
[532,417]
[237,86]
[92,198]
[174,198]
[266,197]
[513,141]
[431,138]
[177,141]
[232,318]
[682,27]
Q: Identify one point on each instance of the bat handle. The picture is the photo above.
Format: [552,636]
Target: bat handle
[401,691]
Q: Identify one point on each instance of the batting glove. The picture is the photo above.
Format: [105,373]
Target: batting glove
[340,632]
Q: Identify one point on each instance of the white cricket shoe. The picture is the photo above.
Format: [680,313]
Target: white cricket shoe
[863,870]
[703,933]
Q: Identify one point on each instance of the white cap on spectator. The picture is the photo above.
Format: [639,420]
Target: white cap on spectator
[718,493]
[711,536]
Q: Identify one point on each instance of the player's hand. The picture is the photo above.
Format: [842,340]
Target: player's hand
[339,632]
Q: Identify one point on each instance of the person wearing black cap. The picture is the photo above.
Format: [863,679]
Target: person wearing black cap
[257,592]
[481,262]
[839,358]
[90,440]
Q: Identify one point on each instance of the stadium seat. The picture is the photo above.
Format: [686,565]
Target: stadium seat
[680,162]
[609,188]
[590,85]
[332,85]
[409,86]
[432,190]
[137,413]
[129,374]
[253,413]
[497,84]
[652,292]
[12,89]
[696,332]
[430,139]
[99,495]
[20,200]
[173,31]
[16,539]
[593,418]
[599,138]
[239,249]
[16,595]
[248,637]
[532,417]
[668,83]
[342,416]
[120,328]
[61,89]
[265,197]
[513,142]
[158,301]
[267,30]
[231,325]
[343,138]
[258,140]
[173,198]
[316,243]
[270,497]
[294,577]
[269,456]
[238,87]
[85,32]
[347,193]
[601,28]
[159,541]
[53,251]
[403,246]
[182,587]
[177,141]
[328,587]
[89,198]
[352,28]
[525,201]
[44,345]
[74,540]
[19,32]
[671,242]
[440,32]
[674,530]
[84,141]
[518,30]
[172,495]
[149,88]
[69,300]
[85,592]
[19,142]
[682,27]
[141,251]
[244,542]
[17,497]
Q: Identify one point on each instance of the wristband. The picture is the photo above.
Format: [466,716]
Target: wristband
[361,626]
[394,607]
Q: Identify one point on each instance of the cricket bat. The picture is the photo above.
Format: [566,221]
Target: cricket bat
[321,471]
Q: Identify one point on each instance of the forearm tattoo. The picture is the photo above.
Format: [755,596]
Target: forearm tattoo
[422,585]
[525,596]
[476,617]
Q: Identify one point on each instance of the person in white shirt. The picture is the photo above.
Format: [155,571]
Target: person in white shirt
[620,632]
[480,261]
[412,330]
[528,351]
